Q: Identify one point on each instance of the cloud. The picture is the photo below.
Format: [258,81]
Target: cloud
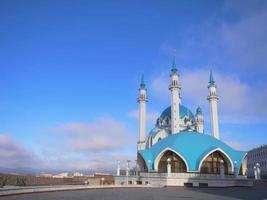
[151,116]
[238,101]
[14,155]
[234,144]
[95,145]
[104,134]
[87,146]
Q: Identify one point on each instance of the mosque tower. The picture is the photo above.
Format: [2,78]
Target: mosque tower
[213,98]
[199,120]
[142,114]
[175,99]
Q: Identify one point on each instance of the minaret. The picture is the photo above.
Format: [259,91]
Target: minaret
[175,99]
[142,114]
[199,120]
[212,98]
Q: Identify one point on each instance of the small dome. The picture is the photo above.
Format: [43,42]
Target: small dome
[184,111]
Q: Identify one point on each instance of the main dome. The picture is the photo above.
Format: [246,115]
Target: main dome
[184,111]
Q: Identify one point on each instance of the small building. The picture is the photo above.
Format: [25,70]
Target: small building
[257,156]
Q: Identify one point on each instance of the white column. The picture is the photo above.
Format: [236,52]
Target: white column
[118,169]
[255,173]
[169,167]
[128,168]
[222,169]
[235,170]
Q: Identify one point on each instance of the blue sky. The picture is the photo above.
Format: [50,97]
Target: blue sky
[70,70]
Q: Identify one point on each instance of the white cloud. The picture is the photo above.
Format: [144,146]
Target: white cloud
[150,116]
[93,145]
[104,134]
[234,144]
[238,101]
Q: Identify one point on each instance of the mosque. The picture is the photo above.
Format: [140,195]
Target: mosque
[179,140]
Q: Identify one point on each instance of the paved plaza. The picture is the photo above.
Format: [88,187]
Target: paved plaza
[171,193]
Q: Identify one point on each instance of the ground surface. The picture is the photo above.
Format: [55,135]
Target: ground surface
[255,193]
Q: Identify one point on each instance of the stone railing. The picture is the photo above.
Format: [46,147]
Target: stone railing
[189,175]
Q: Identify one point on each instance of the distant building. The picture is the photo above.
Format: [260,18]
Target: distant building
[61,175]
[254,156]
[45,175]
[77,174]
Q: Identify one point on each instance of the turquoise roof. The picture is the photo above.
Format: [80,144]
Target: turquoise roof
[184,111]
[192,146]
[211,82]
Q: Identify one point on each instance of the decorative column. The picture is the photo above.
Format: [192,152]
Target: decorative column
[169,167]
[255,173]
[118,168]
[258,171]
[175,99]
[142,114]
[213,98]
[128,167]
[222,169]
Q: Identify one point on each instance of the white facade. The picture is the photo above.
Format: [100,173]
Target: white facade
[142,115]
[199,123]
[175,102]
[254,156]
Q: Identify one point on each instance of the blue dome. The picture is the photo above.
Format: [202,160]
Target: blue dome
[193,147]
[184,111]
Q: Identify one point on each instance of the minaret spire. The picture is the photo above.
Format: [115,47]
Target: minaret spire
[211,82]
[213,99]
[175,99]
[142,114]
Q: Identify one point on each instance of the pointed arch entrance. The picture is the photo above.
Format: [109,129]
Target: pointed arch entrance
[177,163]
[211,163]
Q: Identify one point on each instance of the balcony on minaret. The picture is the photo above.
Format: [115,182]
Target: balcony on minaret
[174,85]
[142,97]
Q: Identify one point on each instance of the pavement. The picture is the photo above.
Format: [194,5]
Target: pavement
[258,192]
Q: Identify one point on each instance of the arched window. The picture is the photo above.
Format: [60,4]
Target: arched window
[177,164]
[211,165]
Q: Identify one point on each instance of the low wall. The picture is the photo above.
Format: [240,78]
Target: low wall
[19,180]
